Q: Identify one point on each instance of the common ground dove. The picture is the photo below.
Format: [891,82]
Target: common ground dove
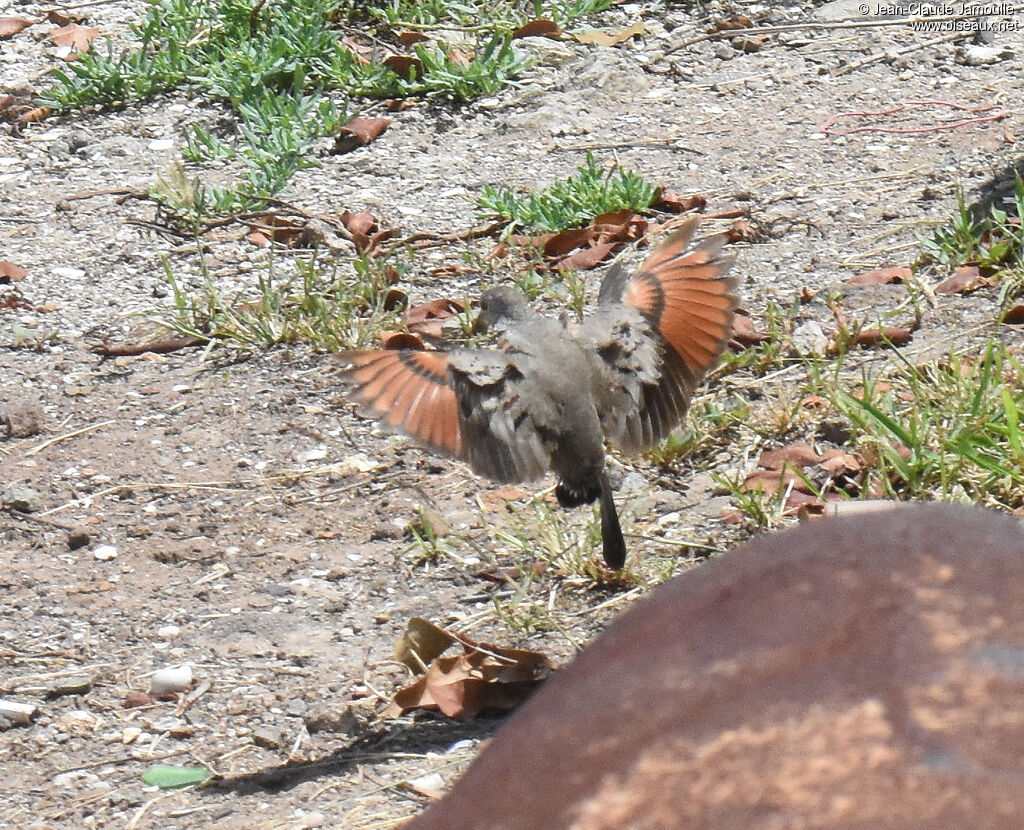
[550,395]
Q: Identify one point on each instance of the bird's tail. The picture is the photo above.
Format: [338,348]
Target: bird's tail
[613,545]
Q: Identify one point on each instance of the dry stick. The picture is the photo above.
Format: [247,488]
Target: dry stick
[898,53]
[68,435]
[825,27]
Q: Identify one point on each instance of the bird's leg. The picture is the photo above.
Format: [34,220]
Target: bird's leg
[614,546]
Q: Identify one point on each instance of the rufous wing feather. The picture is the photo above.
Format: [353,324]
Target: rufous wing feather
[409,390]
[687,297]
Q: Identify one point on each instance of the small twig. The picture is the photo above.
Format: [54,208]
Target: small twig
[116,191]
[30,517]
[671,143]
[425,239]
[193,696]
[896,53]
[68,435]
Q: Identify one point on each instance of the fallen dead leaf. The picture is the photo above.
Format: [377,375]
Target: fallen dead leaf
[62,17]
[589,257]
[965,279]
[10,26]
[412,38]
[539,28]
[619,226]
[359,132]
[10,273]
[561,244]
[459,58]
[745,334]
[285,231]
[483,677]
[596,37]
[75,36]
[366,235]
[883,336]
[405,66]
[794,468]
[421,642]
[401,340]
[428,318]
[672,203]
[1014,316]
[882,276]
[737,21]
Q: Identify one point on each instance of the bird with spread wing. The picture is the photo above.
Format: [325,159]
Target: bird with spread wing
[549,396]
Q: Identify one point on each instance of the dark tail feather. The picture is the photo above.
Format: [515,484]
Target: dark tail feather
[614,546]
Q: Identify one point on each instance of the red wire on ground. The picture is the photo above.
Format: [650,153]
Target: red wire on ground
[996,111]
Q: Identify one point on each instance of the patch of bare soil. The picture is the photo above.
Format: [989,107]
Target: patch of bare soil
[238,518]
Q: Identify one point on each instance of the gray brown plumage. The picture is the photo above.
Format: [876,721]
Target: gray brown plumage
[550,396]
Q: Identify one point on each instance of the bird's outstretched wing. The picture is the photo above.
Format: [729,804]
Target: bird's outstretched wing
[660,330]
[463,403]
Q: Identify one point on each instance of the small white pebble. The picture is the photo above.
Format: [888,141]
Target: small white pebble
[432,782]
[161,144]
[104,552]
[167,681]
[168,632]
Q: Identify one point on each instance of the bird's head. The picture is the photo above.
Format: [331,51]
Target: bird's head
[499,307]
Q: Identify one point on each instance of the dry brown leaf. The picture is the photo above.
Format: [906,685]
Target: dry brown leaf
[882,276]
[428,318]
[499,498]
[365,234]
[363,222]
[421,643]
[749,44]
[412,38]
[61,17]
[1014,316]
[741,231]
[483,677]
[673,203]
[596,37]
[13,300]
[738,21]
[401,340]
[559,244]
[459,58]
[400,104]
[367,129]
[619,226]
[745,334]
[359,132]
[273,228]
[799,455]
[589,257]
[10,273]
[404,66]
[884,336]
[771,482]
[10,26]
[965,279]
[539,28]
[75,36]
